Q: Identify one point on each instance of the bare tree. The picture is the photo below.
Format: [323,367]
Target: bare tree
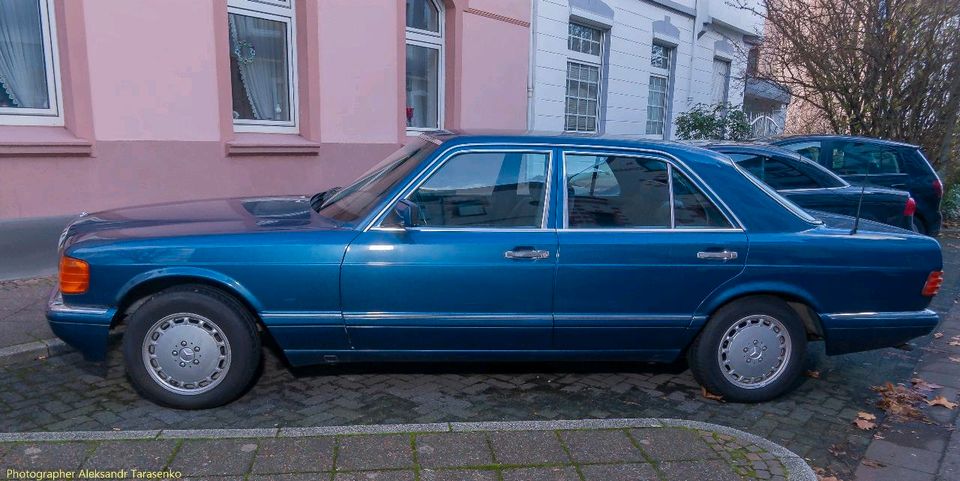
[879,68]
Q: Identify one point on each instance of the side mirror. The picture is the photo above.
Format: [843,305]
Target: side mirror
[405,214]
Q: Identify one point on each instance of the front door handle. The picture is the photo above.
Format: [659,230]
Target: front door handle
[723,255]
[526,253]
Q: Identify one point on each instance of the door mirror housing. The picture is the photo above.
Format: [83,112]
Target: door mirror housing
[405,214]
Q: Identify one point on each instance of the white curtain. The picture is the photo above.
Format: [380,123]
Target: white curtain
[22,67]
[721,81]
[262,62]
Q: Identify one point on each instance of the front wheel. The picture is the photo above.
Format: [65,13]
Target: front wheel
[750,351]
[191,347]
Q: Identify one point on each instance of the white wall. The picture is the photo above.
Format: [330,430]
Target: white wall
[628,59]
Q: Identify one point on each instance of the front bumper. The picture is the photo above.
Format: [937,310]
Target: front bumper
[84,328]
[863,331]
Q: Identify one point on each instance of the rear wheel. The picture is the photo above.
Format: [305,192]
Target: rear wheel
[191,347]
[750,351]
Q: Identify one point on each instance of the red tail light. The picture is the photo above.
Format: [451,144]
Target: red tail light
[910,208]
[934,281]
[938,187]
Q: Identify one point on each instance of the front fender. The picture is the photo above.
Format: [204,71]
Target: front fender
[210,276]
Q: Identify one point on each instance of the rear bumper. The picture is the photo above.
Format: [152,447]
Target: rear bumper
[84,328]
[863,331]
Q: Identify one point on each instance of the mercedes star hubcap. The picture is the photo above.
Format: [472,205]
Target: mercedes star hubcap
[754,352]
[186,353]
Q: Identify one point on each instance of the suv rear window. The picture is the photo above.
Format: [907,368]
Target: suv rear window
[856,158]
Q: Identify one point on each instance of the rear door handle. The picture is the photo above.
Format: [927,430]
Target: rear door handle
[723,255]
[526,253]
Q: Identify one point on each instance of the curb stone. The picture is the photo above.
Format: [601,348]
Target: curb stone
[32,351]
[797,468]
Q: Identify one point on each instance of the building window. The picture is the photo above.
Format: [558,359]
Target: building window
[424,65]
[658,98]
[29,69]
[583,78]
[263,65]
[721,81]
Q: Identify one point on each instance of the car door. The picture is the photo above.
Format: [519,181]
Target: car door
[641,245]
[473,272]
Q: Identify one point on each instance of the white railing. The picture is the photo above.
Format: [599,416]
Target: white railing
[763,125]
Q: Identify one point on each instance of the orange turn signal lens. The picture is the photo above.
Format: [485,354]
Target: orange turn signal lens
[934,281]
[74,276]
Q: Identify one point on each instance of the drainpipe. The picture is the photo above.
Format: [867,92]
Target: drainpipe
[531,74]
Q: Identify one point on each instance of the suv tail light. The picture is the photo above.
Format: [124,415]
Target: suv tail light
[74,276]
[910,208]
[938,188]
[934,281]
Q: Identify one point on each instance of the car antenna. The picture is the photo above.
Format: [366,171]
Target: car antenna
[863,188]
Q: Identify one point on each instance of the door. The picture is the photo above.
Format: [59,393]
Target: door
[473,268]
[641,247]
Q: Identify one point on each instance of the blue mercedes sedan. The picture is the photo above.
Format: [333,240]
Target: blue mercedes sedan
[493,247]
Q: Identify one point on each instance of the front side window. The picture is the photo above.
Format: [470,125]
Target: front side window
[28,64]
[262,65]
[854,158]
[658,92]
[424,57]
[583,78]
[610,191]
[485,189]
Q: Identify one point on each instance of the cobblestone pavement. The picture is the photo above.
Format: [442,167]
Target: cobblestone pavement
[21,311]
[653,452]
[815,421]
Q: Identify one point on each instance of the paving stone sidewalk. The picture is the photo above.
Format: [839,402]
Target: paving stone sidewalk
[612,450]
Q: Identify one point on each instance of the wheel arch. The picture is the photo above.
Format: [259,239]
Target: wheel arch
[139,289]
[799,300]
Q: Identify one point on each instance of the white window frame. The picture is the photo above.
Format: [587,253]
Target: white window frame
[666,74]
[591,61]
[52,116]
[279,11]
[726,78]
[433,40]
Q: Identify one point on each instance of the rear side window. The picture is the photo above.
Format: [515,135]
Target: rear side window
[857,158]
[608,191]
[809,149]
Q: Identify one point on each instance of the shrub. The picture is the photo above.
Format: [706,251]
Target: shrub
[713,122]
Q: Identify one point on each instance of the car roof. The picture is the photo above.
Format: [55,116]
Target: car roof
[753,148]
[687,153]
[868,140]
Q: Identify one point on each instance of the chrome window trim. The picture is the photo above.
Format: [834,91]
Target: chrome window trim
[452,152]
[802,215]
[711,196]
[813,188]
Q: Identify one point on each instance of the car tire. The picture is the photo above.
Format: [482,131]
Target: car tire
[191,347]
[750,351]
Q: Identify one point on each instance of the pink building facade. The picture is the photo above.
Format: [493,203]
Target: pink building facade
[120,102]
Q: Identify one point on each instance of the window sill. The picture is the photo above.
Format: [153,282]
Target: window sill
[36,141]
[246,144]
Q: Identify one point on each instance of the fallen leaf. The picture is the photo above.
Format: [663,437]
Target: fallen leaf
[711,396]
[837,450]
[864,424]
[955,359]
[942,401]
[921,385]
[870,463]
[813,374]
[937,335]
[955,341]
[867,416]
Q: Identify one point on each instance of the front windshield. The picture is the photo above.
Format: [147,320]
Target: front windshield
[354,202]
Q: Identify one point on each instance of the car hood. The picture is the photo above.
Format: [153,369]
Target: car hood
[201,217]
